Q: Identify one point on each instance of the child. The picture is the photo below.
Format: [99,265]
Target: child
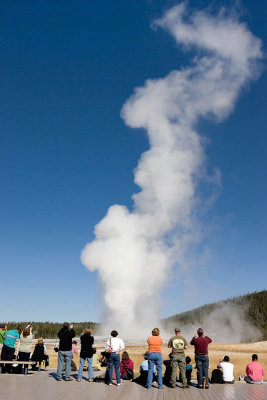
[39,354]
[168,371]
[95,360]
[189,369]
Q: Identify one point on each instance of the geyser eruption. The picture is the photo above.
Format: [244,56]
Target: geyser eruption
[134,251]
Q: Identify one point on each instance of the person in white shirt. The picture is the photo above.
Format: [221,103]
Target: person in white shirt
[227,370]
[114,346]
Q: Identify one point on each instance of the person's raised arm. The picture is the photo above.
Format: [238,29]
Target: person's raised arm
[72,331]
[193,339]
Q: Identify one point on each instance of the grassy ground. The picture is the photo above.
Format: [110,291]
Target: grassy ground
[240,355]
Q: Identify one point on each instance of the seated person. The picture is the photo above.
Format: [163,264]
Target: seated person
[254,371]
[39,354]
[142,378]
[126,367]
[216,376]
[95,360]
[227,370]
[168,371]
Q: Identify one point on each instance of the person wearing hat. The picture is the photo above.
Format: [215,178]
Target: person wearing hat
[227,370]
[178,343]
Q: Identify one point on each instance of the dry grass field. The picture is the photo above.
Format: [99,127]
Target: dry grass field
[240,355]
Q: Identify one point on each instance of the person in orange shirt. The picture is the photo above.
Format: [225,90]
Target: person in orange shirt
[154,358]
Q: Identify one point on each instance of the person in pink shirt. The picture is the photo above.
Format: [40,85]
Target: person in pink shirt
[254,371]
[75,349]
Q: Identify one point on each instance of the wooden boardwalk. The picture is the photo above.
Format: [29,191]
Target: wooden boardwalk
[43,386]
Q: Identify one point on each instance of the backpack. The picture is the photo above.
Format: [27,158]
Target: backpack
[216,376]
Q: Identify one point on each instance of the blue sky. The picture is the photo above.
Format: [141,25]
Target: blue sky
[66,70]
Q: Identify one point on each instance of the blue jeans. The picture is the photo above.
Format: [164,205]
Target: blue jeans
[90,368]
[64,356]
[154,358]
[114,360]
[249,380]
[202,363]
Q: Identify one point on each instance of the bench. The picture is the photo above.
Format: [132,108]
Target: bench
[25,363]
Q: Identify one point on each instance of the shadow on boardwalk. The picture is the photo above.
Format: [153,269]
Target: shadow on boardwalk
[43,386]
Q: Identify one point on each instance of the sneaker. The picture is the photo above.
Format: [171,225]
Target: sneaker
[109,384]
[69,379]
[58,379]
[200,386]
[90,380]
[118,384]
[78,380]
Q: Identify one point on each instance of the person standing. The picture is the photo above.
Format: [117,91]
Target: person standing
[114,346]
[87,341]
[66,334]
[8,350]
[25,345]
[154,358]
[178,343]
[3,331]
[227,370]
[254,371]
[201,342]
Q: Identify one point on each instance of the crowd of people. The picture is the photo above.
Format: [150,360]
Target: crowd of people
[118,364]
[8,340]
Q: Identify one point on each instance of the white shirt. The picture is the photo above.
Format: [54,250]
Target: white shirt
[115,343]
[227,370]
[144,366]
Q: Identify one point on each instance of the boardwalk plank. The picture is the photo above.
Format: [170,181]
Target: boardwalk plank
[241,390]
[43,386]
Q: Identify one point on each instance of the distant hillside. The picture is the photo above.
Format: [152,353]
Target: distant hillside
[253,306]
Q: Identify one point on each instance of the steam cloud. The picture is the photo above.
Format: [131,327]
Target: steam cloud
[226,324]
[134,251]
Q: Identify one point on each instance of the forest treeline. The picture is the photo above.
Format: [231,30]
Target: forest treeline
[253,306]
[50,329]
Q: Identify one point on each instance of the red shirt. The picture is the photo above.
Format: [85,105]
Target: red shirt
[128,364]
[255,371]
[201,344]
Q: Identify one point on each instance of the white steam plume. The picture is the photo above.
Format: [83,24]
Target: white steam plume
[135,251]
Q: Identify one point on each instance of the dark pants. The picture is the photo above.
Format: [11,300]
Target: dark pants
[202,362]
[45,358]
[7,354]
[23,357]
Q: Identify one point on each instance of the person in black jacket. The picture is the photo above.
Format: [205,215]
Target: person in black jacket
[87,340]
[39,354]
[66,334]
